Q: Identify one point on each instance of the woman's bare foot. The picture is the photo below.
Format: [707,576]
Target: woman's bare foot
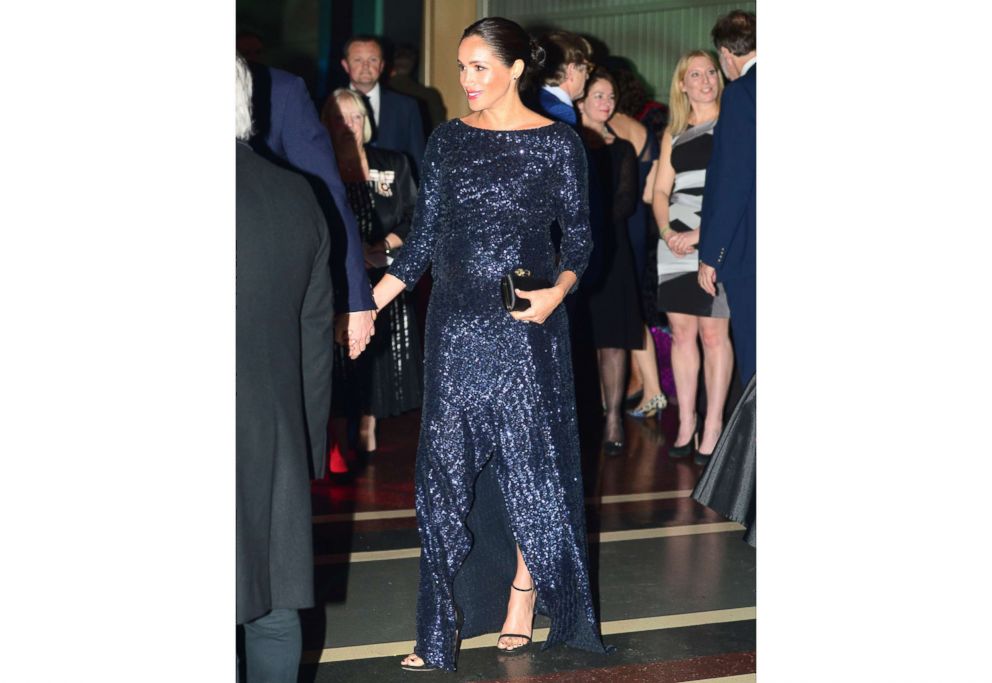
[412,660]
[519,619]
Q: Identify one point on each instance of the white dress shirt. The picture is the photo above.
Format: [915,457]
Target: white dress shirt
[374,99]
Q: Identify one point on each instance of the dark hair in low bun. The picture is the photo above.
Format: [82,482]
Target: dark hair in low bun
[509,42]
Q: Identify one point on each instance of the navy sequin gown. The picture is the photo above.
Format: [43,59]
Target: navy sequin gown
[499,437]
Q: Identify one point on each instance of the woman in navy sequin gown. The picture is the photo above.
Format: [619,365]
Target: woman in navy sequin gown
[498,482]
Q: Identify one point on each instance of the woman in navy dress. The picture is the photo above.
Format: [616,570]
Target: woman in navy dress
[499,493]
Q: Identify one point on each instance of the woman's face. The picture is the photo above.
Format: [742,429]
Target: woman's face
[483,77]
[701,83]
[599,103]
[348,125]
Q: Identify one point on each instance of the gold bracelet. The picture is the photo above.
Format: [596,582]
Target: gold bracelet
[665,230]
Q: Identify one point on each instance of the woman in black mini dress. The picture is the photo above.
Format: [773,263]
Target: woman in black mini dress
[678,195]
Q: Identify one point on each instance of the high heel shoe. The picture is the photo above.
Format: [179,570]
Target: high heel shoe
[612,447]
[689,447]
[632,400]
[424,666]
[518,648]
[649,408]
[702,458]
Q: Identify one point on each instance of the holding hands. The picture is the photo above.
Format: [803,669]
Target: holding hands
[682,243]
[355,330]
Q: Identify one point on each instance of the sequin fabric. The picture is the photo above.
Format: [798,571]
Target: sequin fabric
[498,391]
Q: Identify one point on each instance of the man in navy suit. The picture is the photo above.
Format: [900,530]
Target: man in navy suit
[288,132]
[567,69]
[398,125]
[727,227]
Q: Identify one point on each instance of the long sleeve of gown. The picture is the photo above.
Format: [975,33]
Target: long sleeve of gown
[428,216]
[573,207]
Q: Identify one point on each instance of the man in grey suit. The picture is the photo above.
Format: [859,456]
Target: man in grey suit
[398,125]
[284,350]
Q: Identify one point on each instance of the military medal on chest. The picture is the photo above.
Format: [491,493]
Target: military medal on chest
[382,181]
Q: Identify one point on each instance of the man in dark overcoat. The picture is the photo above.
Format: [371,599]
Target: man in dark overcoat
[284,352]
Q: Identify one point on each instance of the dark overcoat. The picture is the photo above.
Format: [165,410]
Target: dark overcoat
[284,353]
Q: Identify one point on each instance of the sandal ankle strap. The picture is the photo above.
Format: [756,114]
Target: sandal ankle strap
[522,590]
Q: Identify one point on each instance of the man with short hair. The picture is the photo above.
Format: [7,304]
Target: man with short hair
[566,69]
[727,233]
[396,117]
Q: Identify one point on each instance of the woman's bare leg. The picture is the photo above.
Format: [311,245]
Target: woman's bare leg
[634,383]
[646,364]
[520,608]
[366,433]
[718,364]
[685,369]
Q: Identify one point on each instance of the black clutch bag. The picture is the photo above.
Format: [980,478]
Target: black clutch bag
[520,279]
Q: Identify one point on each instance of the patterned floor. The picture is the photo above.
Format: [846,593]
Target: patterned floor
[675,581]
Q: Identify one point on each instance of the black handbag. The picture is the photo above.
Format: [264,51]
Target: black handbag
[521,279]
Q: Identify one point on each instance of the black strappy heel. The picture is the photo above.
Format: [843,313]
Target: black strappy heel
[459,619]
[518,648]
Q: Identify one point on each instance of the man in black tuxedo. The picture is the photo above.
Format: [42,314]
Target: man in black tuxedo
[727,232]
[284,350]
[398,125]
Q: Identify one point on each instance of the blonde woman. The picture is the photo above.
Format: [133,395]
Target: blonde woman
[692,313]
[387,379]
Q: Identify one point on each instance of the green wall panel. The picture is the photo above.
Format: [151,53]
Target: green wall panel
[651,34]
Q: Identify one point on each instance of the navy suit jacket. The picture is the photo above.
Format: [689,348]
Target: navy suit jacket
[289,133]
[557,109]
[727,232]
[400,127]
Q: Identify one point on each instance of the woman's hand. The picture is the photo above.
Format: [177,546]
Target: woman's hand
[682,243]
[543,303]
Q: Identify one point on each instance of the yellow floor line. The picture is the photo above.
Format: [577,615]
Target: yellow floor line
[743,678]
[603,537]
[372,515]
[404,647]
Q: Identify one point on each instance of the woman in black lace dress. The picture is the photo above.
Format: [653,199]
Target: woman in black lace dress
[614,298]
[386,379]
[498,481]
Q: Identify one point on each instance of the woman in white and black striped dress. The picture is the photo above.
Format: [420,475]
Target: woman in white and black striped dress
[678,196]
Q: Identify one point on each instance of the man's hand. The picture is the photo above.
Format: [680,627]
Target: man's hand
[355,330]
[707,278]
